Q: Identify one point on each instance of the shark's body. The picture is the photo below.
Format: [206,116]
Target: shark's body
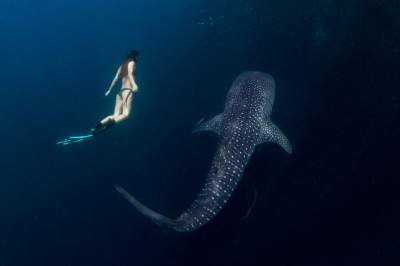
[243,125]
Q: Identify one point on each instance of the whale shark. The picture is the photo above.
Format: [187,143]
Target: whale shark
[244,124]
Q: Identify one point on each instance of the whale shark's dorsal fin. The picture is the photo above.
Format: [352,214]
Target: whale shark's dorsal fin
[212,125]
[271,133]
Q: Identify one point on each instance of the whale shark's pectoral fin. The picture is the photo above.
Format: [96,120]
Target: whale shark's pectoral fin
[271,133]
[250,209]
[212,125]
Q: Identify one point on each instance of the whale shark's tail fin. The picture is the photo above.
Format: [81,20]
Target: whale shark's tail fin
[272,133]
[152,215]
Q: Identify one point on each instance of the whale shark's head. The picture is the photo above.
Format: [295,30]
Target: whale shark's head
[251,91]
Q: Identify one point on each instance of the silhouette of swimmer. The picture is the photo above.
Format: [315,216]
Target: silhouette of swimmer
[123,102]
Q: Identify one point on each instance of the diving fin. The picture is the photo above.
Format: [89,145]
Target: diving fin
[102,127]
[74,139]
[94,131]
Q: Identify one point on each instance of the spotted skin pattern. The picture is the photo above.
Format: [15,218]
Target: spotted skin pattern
[243,125]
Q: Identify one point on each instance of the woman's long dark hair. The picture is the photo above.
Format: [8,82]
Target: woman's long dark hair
[132,56]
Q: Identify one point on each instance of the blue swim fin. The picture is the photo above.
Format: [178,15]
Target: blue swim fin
[74,139]
[100,128]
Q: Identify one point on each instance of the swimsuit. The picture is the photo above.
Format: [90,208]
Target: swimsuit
[131,91]
[126,89]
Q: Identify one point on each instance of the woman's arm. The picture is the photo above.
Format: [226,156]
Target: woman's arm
[113,82]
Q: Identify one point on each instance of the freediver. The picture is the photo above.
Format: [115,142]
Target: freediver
[123,101]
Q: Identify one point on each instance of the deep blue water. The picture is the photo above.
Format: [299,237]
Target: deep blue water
[335,201]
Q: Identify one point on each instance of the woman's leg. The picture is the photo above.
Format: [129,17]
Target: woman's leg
[118,105]
[126,107]
[117,110]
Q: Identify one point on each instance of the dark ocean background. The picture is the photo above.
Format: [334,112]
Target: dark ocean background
[335,201]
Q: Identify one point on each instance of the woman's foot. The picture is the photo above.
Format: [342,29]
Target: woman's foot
[97,128]
[100,127]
